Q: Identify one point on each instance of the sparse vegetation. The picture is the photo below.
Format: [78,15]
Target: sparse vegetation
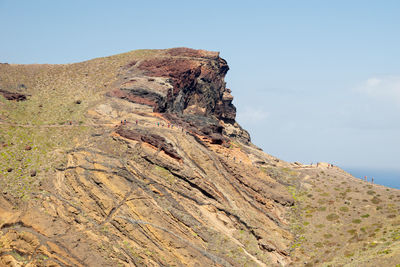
[344,209]
[332,217]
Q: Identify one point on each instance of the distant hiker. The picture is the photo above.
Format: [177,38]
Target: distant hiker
[365,178]
[372,180]
[158,124]
[136,122]
[70,122]
[168,125]
[124,122]
[121,122]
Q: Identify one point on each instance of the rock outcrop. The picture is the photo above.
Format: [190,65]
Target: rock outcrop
[12,95]
[185,82]
[137,160]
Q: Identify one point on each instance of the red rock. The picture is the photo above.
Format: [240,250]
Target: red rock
[152,139]
[197,79]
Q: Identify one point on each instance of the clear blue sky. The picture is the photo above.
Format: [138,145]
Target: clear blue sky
[312,80]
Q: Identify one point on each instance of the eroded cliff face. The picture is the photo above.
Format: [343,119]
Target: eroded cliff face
[183,81]
[179,183]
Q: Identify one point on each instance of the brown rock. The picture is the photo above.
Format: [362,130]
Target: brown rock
[197,79]
[13,96]
[152,139]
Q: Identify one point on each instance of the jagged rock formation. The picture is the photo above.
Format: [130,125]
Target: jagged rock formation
[183,81]
[179,183]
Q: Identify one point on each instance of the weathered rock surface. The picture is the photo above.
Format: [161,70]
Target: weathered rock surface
[177,183]
[185,82]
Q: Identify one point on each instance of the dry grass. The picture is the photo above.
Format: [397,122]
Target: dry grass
[351,216]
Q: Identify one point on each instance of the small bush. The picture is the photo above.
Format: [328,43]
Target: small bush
[332,217]
[373,244]
[348,254]
[386,251]
[328,236]
[356,221]
[365,216]
[318,245]
[344,209]
[352,231]
[375,200]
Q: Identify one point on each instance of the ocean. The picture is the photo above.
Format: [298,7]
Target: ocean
[389,178]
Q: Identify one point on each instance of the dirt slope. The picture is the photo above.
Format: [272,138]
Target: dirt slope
[178,184]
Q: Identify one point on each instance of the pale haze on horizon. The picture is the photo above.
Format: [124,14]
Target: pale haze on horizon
[312,80]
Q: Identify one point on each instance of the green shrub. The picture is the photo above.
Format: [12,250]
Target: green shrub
[328,235]
[352,231]
[386,251]
[332,217]
[356,221]
[318,245]
[375,200]
[344,209]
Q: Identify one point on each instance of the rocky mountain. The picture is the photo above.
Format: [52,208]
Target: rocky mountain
[137,160]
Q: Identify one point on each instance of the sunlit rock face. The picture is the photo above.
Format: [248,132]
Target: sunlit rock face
[137,160]
[183,81]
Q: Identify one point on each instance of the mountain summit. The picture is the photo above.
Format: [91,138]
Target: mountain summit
[137,160]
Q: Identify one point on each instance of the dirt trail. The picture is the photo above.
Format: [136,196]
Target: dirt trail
[110,125]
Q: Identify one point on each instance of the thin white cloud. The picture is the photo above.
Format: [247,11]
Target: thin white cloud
[252,115]
[384,87]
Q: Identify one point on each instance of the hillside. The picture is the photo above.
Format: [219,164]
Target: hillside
[137,160]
